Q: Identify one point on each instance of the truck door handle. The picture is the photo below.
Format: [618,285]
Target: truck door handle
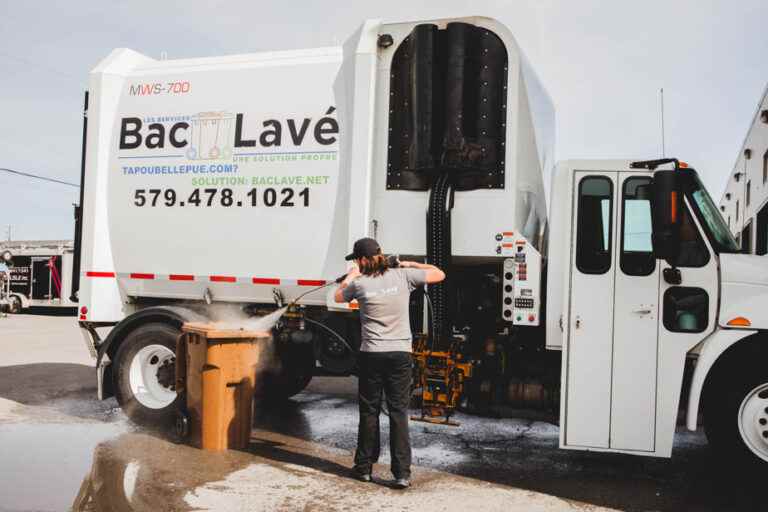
[642,311]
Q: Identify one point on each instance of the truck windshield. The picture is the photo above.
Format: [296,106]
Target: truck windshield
[717,231]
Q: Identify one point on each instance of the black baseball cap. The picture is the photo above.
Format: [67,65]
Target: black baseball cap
[364,247]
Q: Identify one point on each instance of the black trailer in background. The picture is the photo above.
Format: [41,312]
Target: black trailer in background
[40,273]
[32,276]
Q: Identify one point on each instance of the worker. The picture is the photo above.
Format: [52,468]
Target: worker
[382,291]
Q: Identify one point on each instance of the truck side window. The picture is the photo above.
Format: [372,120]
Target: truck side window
[594,230]
[637,258]
[686,309]
[693,251]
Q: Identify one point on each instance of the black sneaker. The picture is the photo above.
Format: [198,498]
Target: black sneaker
[401,483]
[363,477]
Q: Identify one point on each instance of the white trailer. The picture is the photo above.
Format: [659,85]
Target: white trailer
[246,178]
[40,274]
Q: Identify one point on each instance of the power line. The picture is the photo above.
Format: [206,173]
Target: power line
[41,67]
[44,178]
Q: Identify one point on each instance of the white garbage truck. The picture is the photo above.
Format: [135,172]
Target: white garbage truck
[612,297]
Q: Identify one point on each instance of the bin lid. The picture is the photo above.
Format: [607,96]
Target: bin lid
[219,330]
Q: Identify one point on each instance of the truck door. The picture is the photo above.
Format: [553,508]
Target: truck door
[41,279]
[588,350]
[635,319]
[613,318]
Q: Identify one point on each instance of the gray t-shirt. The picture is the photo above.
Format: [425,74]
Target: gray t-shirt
[383,304]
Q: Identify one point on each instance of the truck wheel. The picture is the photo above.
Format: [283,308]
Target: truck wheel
[15,306]
[283,387]
[736,413]
[144,373]
[295,374]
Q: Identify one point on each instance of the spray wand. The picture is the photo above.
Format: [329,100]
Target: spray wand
[394,261]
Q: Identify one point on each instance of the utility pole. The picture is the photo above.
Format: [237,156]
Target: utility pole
[8,230]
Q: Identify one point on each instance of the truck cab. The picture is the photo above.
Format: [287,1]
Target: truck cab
[643,275]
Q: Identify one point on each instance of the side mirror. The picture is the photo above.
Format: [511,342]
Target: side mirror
[666,210]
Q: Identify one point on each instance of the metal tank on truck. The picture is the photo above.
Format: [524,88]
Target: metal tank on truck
[244,180]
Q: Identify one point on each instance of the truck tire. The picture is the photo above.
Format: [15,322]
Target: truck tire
[285,386]
[295,373]
[144,374]
[735,409]
[15,306]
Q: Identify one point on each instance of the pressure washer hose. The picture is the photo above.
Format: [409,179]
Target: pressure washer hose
[338,280]
[297,299]
[315,322]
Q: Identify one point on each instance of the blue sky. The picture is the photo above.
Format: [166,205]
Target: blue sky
[602,62]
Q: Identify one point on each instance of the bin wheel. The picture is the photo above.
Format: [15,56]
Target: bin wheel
[181,426]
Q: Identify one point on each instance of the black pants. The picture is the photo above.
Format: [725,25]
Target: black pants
[390,372]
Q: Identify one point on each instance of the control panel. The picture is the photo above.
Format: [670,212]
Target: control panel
[521,284]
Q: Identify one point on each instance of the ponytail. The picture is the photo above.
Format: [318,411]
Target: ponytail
[373,266]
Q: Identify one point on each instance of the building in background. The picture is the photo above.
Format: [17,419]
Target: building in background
[744,204]
[40,273]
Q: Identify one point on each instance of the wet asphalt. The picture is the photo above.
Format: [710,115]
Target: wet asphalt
[61,449]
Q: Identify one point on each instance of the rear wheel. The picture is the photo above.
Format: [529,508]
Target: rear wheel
[736,413]
[144,374]
[283,387]
[296,368]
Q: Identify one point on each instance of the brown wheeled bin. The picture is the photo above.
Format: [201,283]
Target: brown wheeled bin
[215,372]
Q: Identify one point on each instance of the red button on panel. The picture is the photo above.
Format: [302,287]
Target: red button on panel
[531,318]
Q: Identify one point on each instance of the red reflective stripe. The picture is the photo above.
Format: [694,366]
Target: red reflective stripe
[136,275]
[181,277]
[265,280]
[310,282]
[99,274]
[507,233]
[223,279]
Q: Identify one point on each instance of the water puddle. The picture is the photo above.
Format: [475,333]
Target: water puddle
[42,465]
[136,472]
[87,467]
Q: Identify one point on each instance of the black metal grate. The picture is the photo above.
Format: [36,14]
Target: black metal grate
[448,91]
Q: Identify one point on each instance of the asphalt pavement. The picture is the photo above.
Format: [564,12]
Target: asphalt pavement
[62,449]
